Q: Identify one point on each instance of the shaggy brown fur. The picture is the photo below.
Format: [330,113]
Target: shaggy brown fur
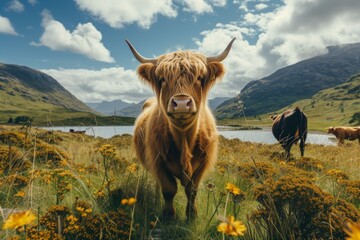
[290,127]
[178,144]
[348,133]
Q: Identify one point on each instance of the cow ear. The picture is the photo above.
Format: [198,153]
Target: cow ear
[215,70]
[146,72]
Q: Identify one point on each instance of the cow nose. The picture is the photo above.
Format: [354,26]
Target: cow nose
[182,103]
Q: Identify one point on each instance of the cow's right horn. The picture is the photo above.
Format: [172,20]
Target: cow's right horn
[222,55]
[139,57]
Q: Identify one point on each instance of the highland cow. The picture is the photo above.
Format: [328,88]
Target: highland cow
[175,135]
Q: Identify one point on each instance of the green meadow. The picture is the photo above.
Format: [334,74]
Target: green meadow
[78,187]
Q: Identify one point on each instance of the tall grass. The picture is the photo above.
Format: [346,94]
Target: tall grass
[75,183]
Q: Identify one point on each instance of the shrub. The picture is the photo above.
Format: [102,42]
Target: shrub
[60,219]
[12,160]
[294,206]
[47,153]
[49,137]
[13,138]
[352,189]
[258,171]
[309,164]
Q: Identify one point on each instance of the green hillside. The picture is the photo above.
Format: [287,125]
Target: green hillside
[339,105]
[31,93]
[333,106]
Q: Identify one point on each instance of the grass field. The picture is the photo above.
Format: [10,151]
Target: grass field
[80,187]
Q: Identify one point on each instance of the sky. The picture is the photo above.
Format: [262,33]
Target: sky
[81,43]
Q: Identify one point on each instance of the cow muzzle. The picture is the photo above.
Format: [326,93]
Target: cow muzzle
[181,106]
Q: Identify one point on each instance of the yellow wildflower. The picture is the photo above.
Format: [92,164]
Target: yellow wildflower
[233,189]
[80,209]
[72,219]
[129,201]
[232,227]
[19,219]
[20,194]
[132,201]
[99,194]
[354,232]
[132,168]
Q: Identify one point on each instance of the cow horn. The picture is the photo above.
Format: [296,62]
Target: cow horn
[140,58]
[222,55]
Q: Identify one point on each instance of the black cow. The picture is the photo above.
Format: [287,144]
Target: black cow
[290,127]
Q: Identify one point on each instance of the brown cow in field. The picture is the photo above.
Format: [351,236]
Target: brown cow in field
[290,127]
[348,133]
[175,135]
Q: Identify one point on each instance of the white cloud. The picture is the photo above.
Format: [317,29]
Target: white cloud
[16,6]
[6,26]
[197,6]
[261,6]
[218,3]
[295,31]
[118,13]
[242,63]
[104,84]
[85,39]
[33,2]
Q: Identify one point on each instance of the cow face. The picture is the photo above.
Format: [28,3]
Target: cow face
[181,81]
[273,117]
[330,130]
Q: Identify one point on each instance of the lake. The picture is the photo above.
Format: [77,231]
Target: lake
[259,136]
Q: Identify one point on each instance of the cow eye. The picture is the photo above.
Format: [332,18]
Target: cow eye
[201,80]
[161,82]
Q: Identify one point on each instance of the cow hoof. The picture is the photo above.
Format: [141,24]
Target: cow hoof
[191,212]
[169,214]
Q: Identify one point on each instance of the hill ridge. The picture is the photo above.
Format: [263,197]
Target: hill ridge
[294,82]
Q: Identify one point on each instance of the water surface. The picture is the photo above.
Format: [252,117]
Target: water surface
[258,136]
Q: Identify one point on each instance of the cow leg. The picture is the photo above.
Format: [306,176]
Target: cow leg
[287,146]
[169,189]
[191,190]
[302,147]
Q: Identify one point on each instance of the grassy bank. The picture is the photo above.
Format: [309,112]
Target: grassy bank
[75,186]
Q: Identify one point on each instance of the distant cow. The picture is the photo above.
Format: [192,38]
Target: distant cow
[73,131]
[175,135]
[348,133]
[290,127]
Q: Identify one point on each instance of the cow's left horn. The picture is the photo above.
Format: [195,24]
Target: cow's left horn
[222,55]
[139,57]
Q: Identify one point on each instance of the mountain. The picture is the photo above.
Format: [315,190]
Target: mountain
[295,82]
[132,110]
[25,91]
[109,108]
[92,105]
[215,102]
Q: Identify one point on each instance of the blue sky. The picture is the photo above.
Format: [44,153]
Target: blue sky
[81,42]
